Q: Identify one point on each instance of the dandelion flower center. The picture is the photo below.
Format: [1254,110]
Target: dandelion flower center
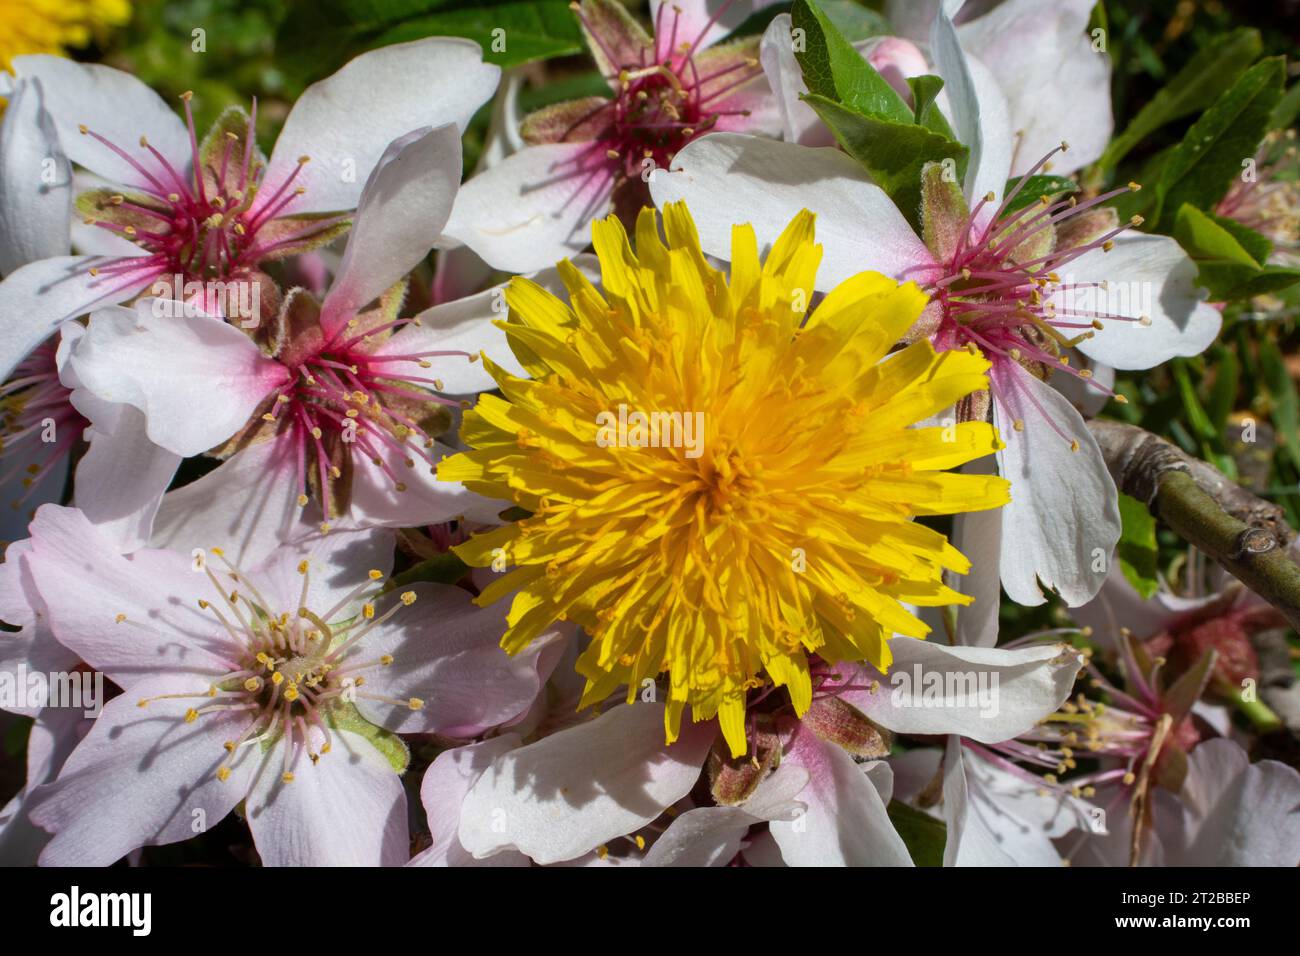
[719,486]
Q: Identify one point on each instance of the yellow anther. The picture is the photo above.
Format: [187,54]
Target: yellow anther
[408,598]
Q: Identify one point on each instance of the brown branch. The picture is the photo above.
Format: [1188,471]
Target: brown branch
[1245,534]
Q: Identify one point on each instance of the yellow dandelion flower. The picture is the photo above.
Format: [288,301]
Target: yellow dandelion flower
[719,485]
[54,26]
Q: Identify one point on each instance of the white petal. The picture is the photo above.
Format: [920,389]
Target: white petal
[1118,605]
[534,208]
[141,778]
[1062,524]
[426,500]
[337,562]
[996,818]
[701,23]
[404,206]
[712,836]
[113,104]
[35,182]
[42,295]
[447,652]
[989,694]
[568,793]
[1042,58]
[346,809]
[54,734]
[467,325]
[197,379]
[978,535]
[728,178]
[121,480]
[1237,813]
[846,823]
[127,615]
[776,53]
[442,791]
[1145,275]
[247,505]
[980,118]
[345,121]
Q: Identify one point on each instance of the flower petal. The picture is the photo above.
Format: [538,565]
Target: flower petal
[35,182]
[1062,524]
[127,615]
[980,117]
[1235,813]
[346,121]
[141,778]
[570,792]
[858,225]
[989,694]
[1042,57]
[346,809]
[42,295]
[247,505]
[447,652]
[197,379]
[442,791]
[1145,275]
[997,818]
[535,207]
[113,104]
[403,208]
[846,823]
[712,836]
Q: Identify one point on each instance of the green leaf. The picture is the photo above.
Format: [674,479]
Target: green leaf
[893,153]
[1207,74]
[1037,186]
[1232,258]
[922,834]
[1223,393]
[1281,390]
[1284,114]
[1137,546]
[1202,166]
[446,568]
[854,21]
[925,90]
[834,70]
[345,716]
[340,29]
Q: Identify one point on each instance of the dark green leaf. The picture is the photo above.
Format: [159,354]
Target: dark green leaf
[340,29]
[892,152]
[1281,390]
[854,21]
[1211,71]
[925,90]
[1036,187]
[922,834]
[833,69]
[1137,546]
[1202,166]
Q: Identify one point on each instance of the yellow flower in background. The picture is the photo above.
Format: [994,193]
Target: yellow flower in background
[719,489]
[55,26]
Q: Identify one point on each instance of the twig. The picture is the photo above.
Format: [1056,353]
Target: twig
[1245,534]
